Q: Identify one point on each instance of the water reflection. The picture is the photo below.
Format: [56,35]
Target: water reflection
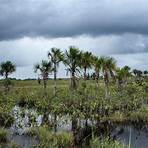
[26,118]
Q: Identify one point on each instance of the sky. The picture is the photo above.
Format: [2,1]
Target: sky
[30,28]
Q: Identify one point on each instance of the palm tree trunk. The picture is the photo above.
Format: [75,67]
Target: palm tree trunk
[45,85]
[85,76]
[55,79]
[55,90]
[97,79]
[107,90]
[6,82]
[106,80]
[73,81]
[113,76]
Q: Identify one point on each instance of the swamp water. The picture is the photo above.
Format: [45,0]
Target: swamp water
[27,118]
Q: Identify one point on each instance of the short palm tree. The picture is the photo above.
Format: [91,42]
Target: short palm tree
[6,68]
[122,75]
[55,56]
[44,68]
[97,63]
[108,69]
[72,61]
[86,62]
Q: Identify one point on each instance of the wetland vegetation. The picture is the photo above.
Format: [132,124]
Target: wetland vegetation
[93,108]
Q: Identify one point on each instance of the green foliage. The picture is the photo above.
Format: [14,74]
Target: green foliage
[6,120]
[105,143]
[55,140]
[3,136]
[12,145]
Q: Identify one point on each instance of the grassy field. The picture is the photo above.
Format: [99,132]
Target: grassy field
[88,102]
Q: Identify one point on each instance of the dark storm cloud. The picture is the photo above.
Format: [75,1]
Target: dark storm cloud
[58,18]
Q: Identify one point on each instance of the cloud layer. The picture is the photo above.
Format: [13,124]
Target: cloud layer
[56,18]
[29,28]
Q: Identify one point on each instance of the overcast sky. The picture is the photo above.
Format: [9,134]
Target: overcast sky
[29,28]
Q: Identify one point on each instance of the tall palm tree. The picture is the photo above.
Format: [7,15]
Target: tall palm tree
[108,69]
[44,68]
[55,56]
[86,62]
[6,68]
[72,61]
[97,63]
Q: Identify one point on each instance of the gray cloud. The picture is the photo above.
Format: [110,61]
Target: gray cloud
[128,49]
[29,28]
[56,18]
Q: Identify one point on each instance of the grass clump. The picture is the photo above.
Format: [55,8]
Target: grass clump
[105,143]
[12,145]
[3,136]
[6,120]
[54,140]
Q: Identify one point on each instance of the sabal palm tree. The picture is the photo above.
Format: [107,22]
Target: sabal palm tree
[108,69]
[122,75]
[127,73]
[97,63]
[55,56]
[72,61]
[6,68]
[86,62]
[44,68]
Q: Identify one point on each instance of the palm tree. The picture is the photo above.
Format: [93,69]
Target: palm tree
[122,75]
[72,61]
[86,62]
[7,68]
[108,69]
[55,56]
[127,73]
[44,68]
[97,63]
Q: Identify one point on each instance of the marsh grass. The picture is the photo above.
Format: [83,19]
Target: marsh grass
[47,138]
[3,136]
[105,143]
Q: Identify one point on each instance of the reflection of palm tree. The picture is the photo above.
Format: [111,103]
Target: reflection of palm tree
[72,61]
[86,61]
[44,68]
[56,57]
